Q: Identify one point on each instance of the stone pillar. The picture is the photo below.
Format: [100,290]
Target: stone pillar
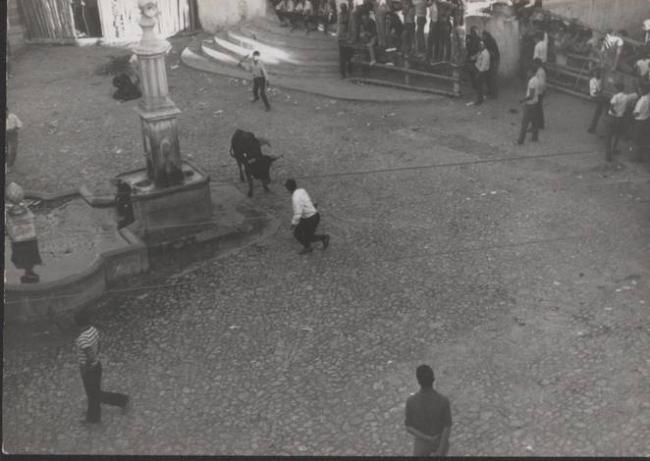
[157,111]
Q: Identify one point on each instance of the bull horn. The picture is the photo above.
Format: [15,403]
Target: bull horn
[263,141]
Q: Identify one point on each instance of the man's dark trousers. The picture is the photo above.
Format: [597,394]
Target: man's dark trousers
[259,86]
[601,103]
[530,117]
[492,78]
[92,379]
[420,41]
[345,59]
[306,229]
[443,41]
[481,82]
[541,123]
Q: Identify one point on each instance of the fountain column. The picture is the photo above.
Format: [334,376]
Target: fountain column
[171,197]
[157,111]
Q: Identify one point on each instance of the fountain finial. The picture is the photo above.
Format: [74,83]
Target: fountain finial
[150,43]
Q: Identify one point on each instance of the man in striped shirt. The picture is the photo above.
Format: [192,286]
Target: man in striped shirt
[87,347]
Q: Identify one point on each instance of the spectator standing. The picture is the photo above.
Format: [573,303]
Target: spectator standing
[408,9]
[616,119]
[12,126]
[20,226]
[260,79]
[473,48]
[642,67]
[428,417]
[646,31]
[368,36]
[309,15]
[342,36]
[482,70]
[381,16]
[420,22]
[611,50]
[642,125]
[305,218]
[433,29]
[281,11]
[541,47]
[530,116]
[540,73]
[597,96]
[443,38]
[87,347]
[495,59]
[458,33]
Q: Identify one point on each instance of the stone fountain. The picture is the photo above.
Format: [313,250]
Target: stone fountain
[171,197]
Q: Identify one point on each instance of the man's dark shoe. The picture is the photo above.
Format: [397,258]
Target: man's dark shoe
[268,108]
[305,251]
[255,99]
[326,242]
[591,131]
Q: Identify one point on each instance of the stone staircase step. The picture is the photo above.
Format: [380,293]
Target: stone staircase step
[228,54]
[284,53]
[218,56]
[271,24]
[240,51]
[298,40]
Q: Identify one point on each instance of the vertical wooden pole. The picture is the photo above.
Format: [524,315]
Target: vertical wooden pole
[455,73]
[407,65]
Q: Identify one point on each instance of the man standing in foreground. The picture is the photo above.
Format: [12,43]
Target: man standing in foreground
[87,346]
[305,218]
[428,417]
[260,79]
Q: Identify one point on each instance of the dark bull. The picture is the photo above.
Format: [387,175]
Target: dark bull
[246,149]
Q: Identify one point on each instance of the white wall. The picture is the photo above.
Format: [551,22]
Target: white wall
[605,14]
[216,13]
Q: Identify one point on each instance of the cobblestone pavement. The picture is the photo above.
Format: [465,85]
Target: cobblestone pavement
[519,274]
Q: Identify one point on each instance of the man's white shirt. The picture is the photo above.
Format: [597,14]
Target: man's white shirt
[303,207]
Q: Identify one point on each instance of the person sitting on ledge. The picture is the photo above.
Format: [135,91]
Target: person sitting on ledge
[22,232]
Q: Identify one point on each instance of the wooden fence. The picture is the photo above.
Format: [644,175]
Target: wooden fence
[48,21]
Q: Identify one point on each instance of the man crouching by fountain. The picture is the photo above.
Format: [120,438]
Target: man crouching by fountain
[22,232]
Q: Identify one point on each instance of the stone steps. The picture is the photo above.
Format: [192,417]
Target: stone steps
[281,37]
[284,52]
[228,48]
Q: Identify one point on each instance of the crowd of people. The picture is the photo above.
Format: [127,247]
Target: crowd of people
[430,30]
[619,71]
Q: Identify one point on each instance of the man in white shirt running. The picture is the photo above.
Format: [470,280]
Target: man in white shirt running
[305,218]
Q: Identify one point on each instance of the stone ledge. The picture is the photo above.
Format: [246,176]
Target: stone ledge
[27,302]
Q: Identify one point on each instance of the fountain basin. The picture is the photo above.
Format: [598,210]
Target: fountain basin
[169,213]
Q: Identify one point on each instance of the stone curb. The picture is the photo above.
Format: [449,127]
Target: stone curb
[52,300]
